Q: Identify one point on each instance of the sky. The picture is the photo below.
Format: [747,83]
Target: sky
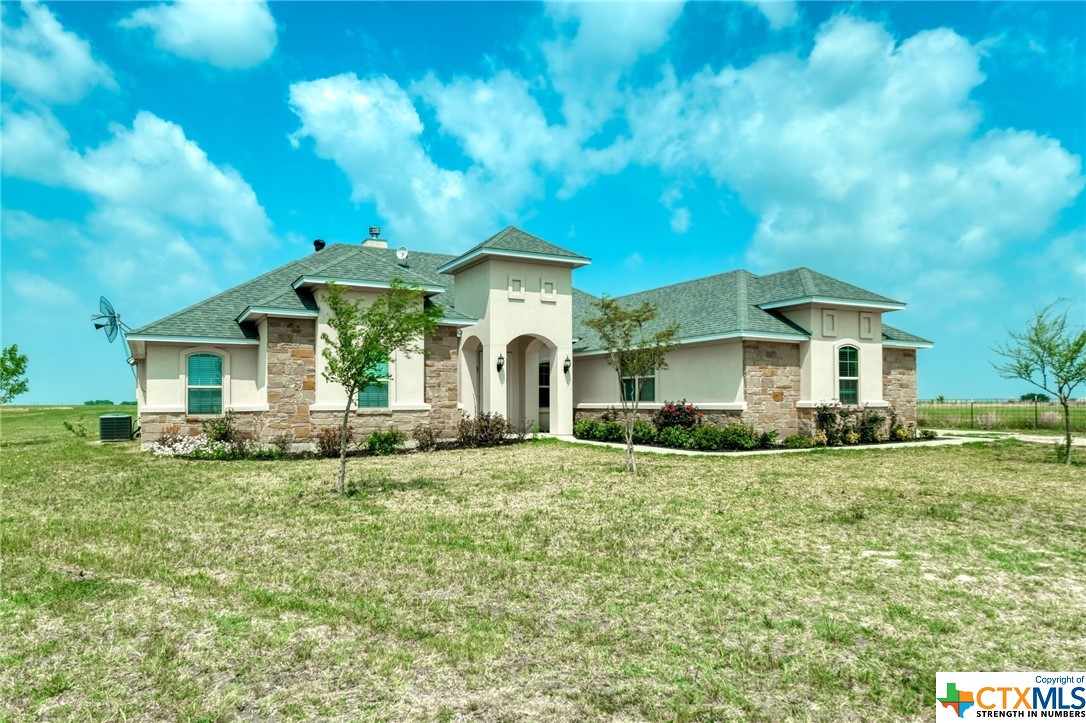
[159,153]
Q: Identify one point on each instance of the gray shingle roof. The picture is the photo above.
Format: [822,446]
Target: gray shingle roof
[729,303]
[890,333]
[217,317]
[513,239]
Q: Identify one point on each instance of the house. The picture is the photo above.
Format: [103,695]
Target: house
[764,350]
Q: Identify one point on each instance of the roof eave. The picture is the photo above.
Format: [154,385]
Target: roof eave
[888,305]
[308,281]
[175,339]
[895,344]
[477,256]
[728,336]
[252,312]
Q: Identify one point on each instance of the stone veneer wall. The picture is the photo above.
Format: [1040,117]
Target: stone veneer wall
[292,385]
[899,382]
[442,363]
[771,378]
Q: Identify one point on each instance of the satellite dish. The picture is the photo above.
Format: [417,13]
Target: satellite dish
[110,321]
[401,254]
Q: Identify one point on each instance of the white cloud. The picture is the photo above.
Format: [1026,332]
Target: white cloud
[864,151]
[680,216]
[164,215]
[229,34]
[779,13]
[598,43]
[43,61]
[39,291]
[371,130]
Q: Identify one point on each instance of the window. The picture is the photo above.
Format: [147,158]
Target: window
[376,395]
[205,384]
[848,375]
[544,385]
[648,387]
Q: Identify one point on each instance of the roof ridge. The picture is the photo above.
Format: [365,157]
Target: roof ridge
[224,292]
[688,281]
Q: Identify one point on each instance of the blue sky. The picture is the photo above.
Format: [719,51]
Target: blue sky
[157,154]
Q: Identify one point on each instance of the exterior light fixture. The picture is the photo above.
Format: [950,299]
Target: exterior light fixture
[501,362]
[567,365]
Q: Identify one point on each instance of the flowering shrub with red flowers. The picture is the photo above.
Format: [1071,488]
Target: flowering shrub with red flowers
[677,414]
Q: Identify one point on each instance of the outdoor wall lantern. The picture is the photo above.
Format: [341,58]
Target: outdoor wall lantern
[501,362]
[567,365]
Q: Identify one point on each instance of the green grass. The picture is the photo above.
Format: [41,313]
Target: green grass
[534,582]
[1047,418]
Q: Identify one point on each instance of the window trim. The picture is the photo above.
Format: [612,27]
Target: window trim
[844,378]
[224,379]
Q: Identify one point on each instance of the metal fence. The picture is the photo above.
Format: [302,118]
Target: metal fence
[998,414]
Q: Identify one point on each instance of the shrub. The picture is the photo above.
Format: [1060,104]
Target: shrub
[492,429]
[467,432]
[643,432]
[586,429]
[902,434]
[225,429]
[852,437]
[819,438]
[425,436]
[869,426]
[828,420]
[385,443]
[170,436]
[328,440]
[739,436]
[705,437]
[677,414]
[1050,420]
[766,439]
[928,434]
[677,437]
[612,432]
[797,441]
[282,442]
[78,429]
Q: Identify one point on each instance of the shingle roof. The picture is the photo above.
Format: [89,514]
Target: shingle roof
[890,333]
[513,239]
[217,317]
[729,303]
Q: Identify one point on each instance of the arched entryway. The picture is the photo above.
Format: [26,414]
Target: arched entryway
[532,381]
[471,375]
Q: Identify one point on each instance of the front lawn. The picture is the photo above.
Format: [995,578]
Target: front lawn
[535,582]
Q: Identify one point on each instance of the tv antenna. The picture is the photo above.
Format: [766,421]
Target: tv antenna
[401,254]
[110,321]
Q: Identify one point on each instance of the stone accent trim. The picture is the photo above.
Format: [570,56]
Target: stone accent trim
[771,379]
[442,376]
[899,382]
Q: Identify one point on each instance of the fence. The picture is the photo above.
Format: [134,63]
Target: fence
[998,414]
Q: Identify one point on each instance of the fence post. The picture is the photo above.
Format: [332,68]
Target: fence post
[971,414]
[1036,417]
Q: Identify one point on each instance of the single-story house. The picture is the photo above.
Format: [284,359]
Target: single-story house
[761,349]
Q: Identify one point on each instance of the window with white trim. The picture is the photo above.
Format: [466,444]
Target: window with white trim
[204,379]
[648,387]
[375,396]
[848,375]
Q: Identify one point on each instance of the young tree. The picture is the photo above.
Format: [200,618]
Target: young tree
[12,374]
[366,336]
[1049,355]
[634,354]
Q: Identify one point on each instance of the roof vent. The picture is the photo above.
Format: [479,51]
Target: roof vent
[318,244]
[375,240]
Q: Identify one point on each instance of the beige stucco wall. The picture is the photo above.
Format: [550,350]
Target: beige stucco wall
[406,390]
[710,373]
[818,358]
[162,376]
[507,322]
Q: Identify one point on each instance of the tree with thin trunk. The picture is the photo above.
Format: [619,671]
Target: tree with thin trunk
[365,338]
[12,374]
[634,353]
[1049,355]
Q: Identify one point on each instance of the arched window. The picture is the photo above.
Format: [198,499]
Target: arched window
[205,384]
[848,375]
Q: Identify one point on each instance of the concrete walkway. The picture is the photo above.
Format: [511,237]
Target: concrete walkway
[639,448]
[1021,436]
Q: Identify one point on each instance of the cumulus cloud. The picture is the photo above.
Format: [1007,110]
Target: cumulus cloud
[864,148]
[45,62]
[230,34]
[371,130]
[163,216]
[38,290]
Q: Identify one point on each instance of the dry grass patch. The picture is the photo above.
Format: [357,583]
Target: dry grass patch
[535,582]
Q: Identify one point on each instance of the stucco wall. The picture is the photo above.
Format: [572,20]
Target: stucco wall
[163,376]
[830,329]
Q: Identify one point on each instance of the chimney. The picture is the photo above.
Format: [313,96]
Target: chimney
[318,244]
[375,240]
